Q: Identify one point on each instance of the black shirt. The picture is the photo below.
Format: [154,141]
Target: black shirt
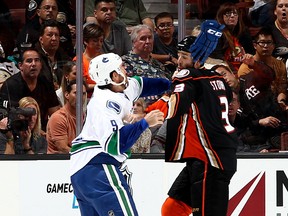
[15,88]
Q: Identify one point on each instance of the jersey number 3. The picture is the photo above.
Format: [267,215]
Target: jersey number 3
[229,128]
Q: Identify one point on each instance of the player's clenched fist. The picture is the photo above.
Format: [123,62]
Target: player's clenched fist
[155,117]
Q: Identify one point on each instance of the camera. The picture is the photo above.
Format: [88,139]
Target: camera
[17,117]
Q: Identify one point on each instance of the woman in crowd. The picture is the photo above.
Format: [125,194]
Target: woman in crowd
[142,145]
[69,73]
[280,29]
[93,37]
[236,39]
[24,133]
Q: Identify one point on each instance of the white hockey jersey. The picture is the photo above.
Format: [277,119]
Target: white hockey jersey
[105,113]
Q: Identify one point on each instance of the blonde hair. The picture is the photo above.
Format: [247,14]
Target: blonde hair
[26,101]
[196,31]
[142,103]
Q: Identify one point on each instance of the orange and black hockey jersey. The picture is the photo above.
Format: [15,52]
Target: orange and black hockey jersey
[197,122]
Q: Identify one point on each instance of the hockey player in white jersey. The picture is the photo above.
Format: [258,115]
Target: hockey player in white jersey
[104,142]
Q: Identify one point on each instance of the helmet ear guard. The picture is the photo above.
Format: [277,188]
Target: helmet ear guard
[102,66]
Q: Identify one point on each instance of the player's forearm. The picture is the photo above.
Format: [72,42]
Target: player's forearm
[155,86]
[130,133]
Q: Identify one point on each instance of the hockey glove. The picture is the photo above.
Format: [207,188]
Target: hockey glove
[207,40]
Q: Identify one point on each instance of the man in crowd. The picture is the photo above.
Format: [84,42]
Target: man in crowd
[61,127]
[29,35]
[116,37]
[29,83]
[165,44]
[53,56]
[129,12]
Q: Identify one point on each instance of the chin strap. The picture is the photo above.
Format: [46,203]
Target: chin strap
[123,82]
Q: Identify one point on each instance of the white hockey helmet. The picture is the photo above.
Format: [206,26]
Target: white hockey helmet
[101,67]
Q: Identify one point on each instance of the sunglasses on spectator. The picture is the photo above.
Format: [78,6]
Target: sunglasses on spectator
[229,13]
[163,26]
[265,43]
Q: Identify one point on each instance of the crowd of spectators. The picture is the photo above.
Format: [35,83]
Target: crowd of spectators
[37,68]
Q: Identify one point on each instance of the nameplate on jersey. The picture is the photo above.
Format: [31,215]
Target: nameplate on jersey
[182,73]
[112,105]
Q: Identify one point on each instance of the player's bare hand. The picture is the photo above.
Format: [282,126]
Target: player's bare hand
[154,118]
[132,118]
[197,64]
[248,59]
[270,121]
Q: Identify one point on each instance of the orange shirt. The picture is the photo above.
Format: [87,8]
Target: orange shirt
[86,75]
[86,70]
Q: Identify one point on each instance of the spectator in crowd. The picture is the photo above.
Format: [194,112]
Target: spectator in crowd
[142,145]
[61,127]
[66,13]
[158,141]
[7,67]
[29,35]
[236,39]
[262,13]
[93,37]
[139,61]
[262,96]
[196,31]
[234,105]
[234,110]
[280,29]
[165,45]
[228,76]
[29,83]
[52,55]
[129,12]
[264,45]
[116,37]
[262,116]
[236,120]
[69,74]
[25,135]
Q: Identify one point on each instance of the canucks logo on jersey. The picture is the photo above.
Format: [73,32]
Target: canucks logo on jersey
[113,106]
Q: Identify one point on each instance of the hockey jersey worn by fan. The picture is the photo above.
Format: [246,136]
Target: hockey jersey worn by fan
[7,69]
[197,124]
